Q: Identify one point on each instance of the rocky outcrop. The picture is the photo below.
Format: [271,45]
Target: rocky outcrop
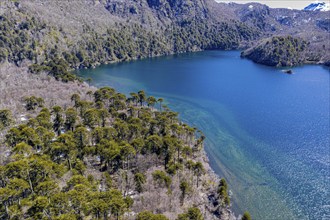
[158,12]
[324,24]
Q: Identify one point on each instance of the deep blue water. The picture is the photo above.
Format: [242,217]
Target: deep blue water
[267,132]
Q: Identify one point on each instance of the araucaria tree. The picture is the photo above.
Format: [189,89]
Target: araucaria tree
[83,161]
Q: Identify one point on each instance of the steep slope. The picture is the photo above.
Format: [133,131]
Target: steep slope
[80,34]
[310,26]
[279,51]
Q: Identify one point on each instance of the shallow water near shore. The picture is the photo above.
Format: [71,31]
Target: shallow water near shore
[267,131]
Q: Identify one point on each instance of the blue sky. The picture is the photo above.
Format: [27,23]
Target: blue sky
[296,4]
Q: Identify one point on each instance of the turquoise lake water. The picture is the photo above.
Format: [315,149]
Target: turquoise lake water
[267,132]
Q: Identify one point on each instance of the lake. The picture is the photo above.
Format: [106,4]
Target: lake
[267,131]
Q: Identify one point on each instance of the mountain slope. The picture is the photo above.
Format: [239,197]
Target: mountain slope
[80,34]
[317,6]
[58,35]
[286,22]
[279,51]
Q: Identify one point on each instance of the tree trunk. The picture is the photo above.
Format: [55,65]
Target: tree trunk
[30,183]
[69,162]
[7,211]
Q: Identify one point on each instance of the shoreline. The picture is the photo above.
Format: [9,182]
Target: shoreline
[210,178]
[213,175]
[241,50]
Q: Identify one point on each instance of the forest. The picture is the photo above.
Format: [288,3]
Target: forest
[281,51]
[47,48]
[105,157]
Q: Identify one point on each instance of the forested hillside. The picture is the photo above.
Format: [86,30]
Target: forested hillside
[55,47]
[56,36]
[106,156]
[281,51]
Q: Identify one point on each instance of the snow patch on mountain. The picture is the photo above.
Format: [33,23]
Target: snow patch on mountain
[318,6]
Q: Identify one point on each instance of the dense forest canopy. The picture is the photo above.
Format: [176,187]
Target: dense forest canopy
[34,33]
[97,158]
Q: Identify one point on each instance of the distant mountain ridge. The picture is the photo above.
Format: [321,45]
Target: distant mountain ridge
[83,34]
[318,6]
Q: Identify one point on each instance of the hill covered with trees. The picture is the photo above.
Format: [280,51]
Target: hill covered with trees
[29,32]
[58,36]
[103,155]
[281,51]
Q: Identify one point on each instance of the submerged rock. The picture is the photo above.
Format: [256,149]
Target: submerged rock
[287,71]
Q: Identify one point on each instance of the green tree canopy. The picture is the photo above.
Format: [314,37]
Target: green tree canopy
[6,118]
[246,216]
